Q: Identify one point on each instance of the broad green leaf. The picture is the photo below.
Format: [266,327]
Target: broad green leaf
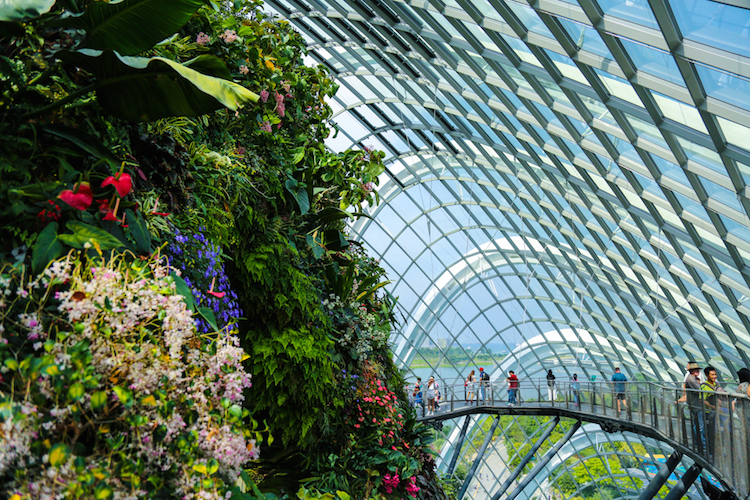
[299,153]
[87,142]
[103,492]
[59,454]
[208,315]
[213,466]
[300,194]
[124,395]
[131,26]
[12,364]
[317,249]
[201,468]
[98,399]
[146,89]
[46,248]
[76,391]
[139,230]
[21,10]
[85,233]
[51,370]
[183,289]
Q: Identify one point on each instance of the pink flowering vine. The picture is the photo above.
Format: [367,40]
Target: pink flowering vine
[228,36]
[202,39]
[264,95]
[280,108]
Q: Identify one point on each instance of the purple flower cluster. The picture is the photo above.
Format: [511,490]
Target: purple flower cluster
[202,264]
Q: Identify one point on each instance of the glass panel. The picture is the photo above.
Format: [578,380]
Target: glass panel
[653,61]
[586,38]
[714,24]
[637,11]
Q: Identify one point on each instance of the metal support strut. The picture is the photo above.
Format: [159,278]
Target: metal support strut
[544,461]
[480,455]
[661,477]
[459,444]
[685,482]
[517,471]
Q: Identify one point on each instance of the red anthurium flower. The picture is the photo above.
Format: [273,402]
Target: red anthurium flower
[122,183]
[80,198]
[111,216]
[218,295]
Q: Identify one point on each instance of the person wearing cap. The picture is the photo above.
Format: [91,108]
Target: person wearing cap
[691,394]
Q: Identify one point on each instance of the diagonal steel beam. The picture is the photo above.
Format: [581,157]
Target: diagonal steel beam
[544,461]
[685,482]
[477,461]
[661,477]
[517,471]
[457,448]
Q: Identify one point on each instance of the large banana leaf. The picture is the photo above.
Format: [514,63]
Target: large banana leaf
[21,10]
[144,89]
[131,26]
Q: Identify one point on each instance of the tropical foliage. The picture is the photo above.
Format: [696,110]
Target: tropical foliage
[172,224]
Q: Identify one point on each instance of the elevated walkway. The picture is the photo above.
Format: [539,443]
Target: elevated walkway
[648,409]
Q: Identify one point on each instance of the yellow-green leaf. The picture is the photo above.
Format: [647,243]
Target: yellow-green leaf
[103,492]
[149,400]
[76,391]
[98,399]
[59,454]
[146,89]
[201,468]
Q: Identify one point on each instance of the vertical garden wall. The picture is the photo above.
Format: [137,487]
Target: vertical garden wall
[182,315]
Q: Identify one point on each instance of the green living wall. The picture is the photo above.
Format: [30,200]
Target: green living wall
[182,313]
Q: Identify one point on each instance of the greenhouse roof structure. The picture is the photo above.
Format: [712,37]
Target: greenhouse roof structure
[566,183]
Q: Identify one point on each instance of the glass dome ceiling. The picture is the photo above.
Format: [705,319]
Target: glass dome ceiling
[566,181]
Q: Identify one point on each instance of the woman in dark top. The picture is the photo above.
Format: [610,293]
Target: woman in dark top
[551,385]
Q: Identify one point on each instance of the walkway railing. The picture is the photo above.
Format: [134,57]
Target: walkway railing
[714,425]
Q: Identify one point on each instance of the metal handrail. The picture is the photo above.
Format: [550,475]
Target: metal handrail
[714,425]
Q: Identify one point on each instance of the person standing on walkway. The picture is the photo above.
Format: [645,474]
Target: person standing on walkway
[470,383]
[551,392]
[619,379]
[512,388]
[418,393]
[431,390]
[710,403]
[484,383]
[575,386]
[695,405]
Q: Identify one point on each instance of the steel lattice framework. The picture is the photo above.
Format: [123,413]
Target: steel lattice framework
[563,173]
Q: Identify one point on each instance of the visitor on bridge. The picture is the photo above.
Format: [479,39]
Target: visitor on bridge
[744,389]
[711,407]
[575,386]
[469,384]
[512,388]
[418,393]
[551,391]
[693,397]
[619,379]
[431,391]
[484,383]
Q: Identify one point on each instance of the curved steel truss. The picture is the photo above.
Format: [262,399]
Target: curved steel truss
[573,171]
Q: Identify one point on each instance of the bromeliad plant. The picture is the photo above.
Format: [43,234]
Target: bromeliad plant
[109,391]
